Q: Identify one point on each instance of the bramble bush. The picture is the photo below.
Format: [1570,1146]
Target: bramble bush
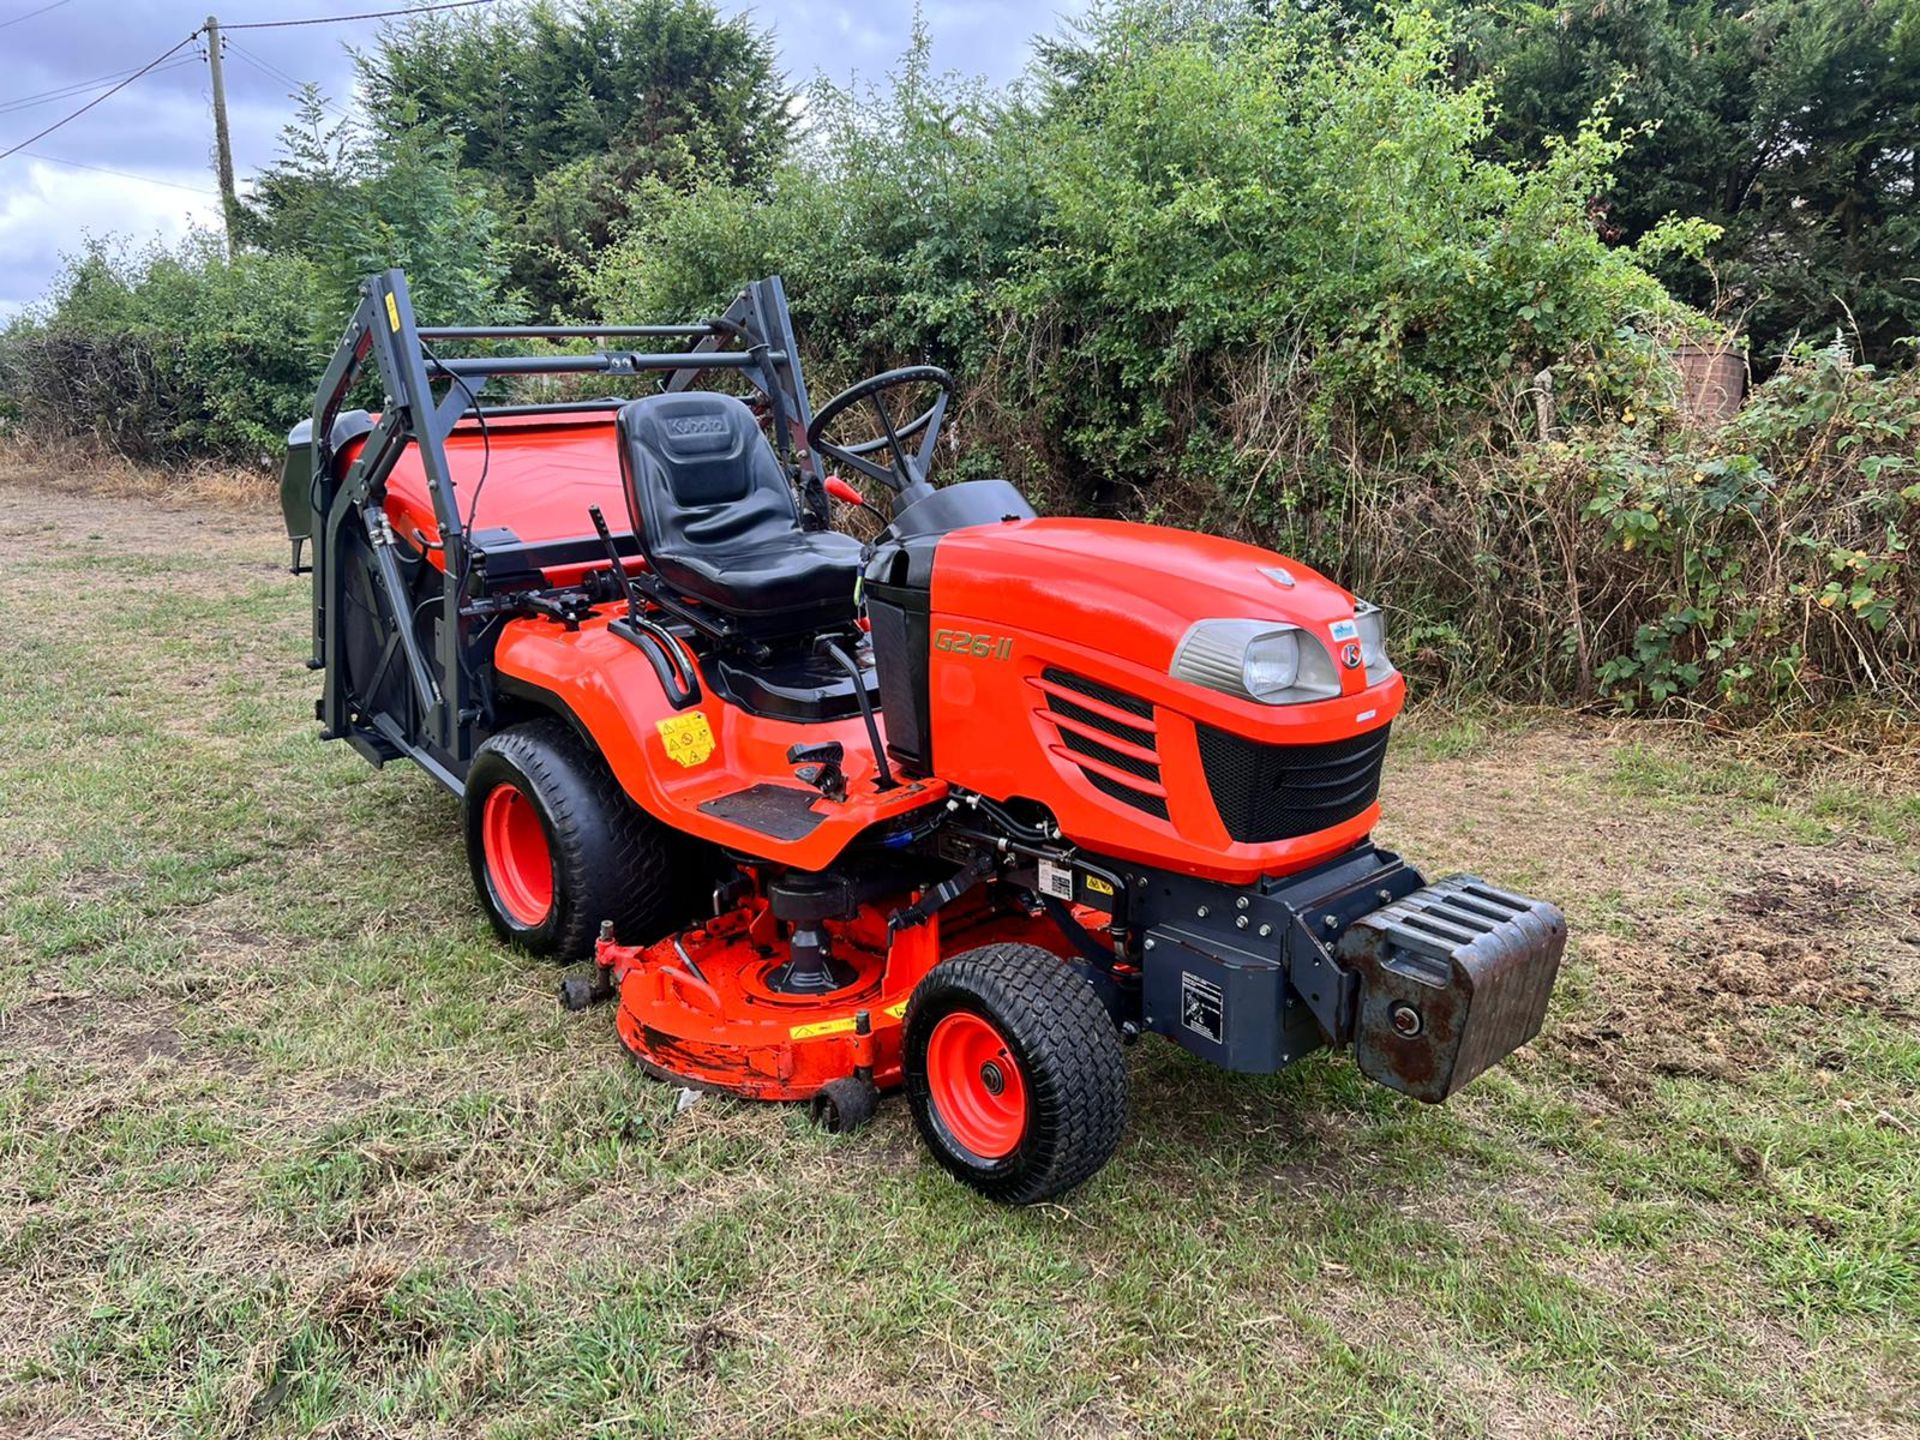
[1254,276]
[1645,563]
[164,355]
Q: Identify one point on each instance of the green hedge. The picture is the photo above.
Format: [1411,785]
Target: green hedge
[1260,279]
[168,355]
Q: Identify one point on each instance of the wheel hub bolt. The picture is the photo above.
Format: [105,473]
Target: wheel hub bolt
[991,1077]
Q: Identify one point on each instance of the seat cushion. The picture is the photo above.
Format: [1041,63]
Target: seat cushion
[717,519]
[804,570]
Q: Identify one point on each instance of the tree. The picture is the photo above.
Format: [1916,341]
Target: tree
[569,109]
[1792,124]
[352,202]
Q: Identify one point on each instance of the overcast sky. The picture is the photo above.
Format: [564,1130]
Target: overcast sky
[158,132]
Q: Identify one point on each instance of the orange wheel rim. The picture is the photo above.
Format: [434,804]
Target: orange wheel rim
[976,1086]
[519,860]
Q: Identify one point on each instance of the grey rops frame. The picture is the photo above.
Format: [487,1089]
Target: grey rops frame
[451,685]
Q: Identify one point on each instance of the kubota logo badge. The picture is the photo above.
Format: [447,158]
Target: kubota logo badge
[696,425]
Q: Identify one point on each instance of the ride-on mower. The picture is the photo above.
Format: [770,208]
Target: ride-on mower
[959,810]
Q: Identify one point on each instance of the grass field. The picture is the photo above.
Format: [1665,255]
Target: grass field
[288,1143]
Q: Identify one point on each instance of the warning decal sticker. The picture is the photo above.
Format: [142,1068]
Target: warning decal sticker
[688,738]
[1203,1010]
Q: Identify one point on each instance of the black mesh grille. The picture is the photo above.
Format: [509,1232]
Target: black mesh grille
[1106,694]
[1106,754]
[1278,792]
[1087,745]
[1094,720]
[1152,804]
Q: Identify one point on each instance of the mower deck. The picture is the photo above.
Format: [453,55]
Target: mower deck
[705,1007]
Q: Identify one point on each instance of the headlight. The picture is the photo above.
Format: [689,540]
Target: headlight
[1371,622]
[1264,660]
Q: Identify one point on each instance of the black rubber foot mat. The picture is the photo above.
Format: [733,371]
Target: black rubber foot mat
[780,811]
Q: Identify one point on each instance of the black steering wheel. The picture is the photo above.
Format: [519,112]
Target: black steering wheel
[907,468]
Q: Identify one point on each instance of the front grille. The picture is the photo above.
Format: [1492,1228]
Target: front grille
[1280,792]
[1094,689]
[1058,707]
[1093,719]
[1154,805]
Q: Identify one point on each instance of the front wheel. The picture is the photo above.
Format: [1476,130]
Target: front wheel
[1014,1073]
[556,846]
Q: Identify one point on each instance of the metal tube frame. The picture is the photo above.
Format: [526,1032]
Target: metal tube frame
[383,334]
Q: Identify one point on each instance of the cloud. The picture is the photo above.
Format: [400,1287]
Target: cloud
[160,126]
[51,210]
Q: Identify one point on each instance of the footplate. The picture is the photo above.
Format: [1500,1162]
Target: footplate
[1452,979]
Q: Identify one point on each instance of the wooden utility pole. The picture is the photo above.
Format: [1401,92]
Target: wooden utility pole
[222,144]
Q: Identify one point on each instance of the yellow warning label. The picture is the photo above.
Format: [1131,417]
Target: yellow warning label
[688,738]
[393,313]
[845,1025]
[1098,886]
[842,1026]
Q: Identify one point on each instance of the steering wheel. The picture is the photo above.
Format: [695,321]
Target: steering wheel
[906,468]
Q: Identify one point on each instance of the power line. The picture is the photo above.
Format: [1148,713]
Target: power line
[69,88]
[274,72]
[123,174]
[47,97]
[167,54]
[265,66]
[341,19]
[31,13]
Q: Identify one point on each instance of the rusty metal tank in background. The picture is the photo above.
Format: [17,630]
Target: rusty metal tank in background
[1713,381]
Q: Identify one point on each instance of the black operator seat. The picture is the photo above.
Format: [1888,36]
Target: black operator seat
[717,521]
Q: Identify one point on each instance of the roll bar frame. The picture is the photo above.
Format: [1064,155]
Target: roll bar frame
[753,338]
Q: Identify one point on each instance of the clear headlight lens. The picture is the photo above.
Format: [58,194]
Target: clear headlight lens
[1271,664]
[1265,660]
[1371,622]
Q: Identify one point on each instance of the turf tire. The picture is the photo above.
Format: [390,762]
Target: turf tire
[610,860]
[1068,1054]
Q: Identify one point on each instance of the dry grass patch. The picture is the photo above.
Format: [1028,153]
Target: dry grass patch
[289,1145]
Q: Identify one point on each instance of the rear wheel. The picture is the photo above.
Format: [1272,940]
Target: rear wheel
[556,846]
[1014,1073]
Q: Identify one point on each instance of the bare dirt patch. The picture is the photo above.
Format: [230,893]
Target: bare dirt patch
[47,1022]
[1692,933]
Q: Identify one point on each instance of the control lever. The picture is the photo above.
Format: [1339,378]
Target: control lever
[670,666]
[883,773]
[843,492]
[819,763]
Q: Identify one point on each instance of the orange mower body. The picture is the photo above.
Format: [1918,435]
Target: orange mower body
[961,808]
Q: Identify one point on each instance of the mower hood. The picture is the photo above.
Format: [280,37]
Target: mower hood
[1140,588]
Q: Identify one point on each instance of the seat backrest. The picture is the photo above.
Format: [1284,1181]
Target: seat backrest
[700,476]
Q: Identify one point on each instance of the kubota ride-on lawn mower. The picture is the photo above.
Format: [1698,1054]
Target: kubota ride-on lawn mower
[958,810]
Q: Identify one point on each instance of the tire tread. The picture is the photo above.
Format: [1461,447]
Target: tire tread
[1072,1063]
[618,862]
